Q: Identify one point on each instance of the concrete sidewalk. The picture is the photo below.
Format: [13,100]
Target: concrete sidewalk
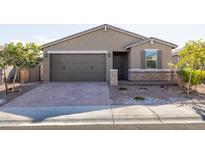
[97,115]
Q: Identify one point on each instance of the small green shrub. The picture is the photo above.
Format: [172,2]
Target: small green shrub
[139,98]
[122,89]
[197,76]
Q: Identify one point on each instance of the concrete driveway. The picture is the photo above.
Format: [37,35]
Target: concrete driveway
[64,94]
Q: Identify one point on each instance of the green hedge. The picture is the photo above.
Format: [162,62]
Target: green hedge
[197,76]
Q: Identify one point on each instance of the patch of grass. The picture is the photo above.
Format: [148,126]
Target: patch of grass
[122,89]
[139,98]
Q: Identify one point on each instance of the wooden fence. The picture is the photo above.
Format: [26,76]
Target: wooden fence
[31,75]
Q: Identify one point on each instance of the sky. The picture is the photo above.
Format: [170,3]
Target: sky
[176,33]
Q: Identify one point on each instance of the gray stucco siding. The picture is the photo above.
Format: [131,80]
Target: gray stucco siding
[135,54]
[109,40]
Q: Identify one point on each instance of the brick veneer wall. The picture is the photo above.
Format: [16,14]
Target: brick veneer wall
[151,75]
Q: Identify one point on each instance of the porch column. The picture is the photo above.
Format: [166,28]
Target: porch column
[113,77]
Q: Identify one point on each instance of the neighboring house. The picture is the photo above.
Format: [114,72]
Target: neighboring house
[92,54]
[175,57]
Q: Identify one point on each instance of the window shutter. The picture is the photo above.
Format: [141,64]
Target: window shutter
[142,59]
[159,59]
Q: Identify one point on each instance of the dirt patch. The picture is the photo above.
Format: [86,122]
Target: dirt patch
[152,94]
[201,89]
[4,99]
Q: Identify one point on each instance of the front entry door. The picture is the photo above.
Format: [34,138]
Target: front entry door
[120,62]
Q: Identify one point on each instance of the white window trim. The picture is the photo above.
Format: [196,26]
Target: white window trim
[151,59]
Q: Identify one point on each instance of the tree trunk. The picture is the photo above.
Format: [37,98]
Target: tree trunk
[182,82]
[189,84]
[178,82]
[21,81]
[5,81]
[14,79]
[199,78]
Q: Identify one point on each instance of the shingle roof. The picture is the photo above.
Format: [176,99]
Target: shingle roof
[91,30]
[149,39]
[175,52]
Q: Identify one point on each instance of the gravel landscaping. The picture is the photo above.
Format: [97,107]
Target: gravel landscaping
[152,95]
[4,99]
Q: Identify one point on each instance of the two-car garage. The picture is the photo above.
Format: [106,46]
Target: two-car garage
[66,67]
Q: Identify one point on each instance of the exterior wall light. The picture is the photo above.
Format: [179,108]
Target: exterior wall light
[45,55]
[109,55]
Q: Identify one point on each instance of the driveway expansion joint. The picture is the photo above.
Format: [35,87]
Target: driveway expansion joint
[154,114]
[113,118]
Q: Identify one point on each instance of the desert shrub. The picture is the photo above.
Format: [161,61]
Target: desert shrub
[122,89]
[139,98]
[197,76]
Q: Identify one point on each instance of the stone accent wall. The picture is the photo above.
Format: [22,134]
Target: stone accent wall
[113,77]
[152,75]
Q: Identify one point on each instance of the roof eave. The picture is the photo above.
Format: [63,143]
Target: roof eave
[72,36]
[91,30]
[155,39]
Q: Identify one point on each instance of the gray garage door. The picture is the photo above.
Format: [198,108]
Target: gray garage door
[77,67]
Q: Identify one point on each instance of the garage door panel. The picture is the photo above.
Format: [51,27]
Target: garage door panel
[74,59]
[83,67]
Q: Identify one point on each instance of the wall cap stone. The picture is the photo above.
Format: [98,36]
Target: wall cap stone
[113,70]
[151,70]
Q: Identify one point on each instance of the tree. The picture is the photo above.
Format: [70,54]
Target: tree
[30,57]
[22,57]
[15,52]
[191,61]
[4,62]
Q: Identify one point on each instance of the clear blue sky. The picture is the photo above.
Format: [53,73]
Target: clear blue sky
[177,34]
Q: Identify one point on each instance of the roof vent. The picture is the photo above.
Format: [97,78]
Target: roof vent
[105,28]
[151,41]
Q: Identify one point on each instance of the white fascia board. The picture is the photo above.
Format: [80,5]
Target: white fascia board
[165,43]
[106,27]
[126,32]
[71,36]
[130,46]
[78,52]
[168,44]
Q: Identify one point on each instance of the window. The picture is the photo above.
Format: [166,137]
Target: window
[151,58]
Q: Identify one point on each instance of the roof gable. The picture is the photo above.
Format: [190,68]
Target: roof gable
[151,39]
[105,26]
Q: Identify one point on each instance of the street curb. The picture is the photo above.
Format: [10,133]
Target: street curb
[103,121]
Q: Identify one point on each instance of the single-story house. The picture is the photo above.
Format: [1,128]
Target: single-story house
[94,54]
[175,57]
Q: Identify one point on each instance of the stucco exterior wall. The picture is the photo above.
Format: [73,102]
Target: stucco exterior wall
[135,54]
[109,40]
